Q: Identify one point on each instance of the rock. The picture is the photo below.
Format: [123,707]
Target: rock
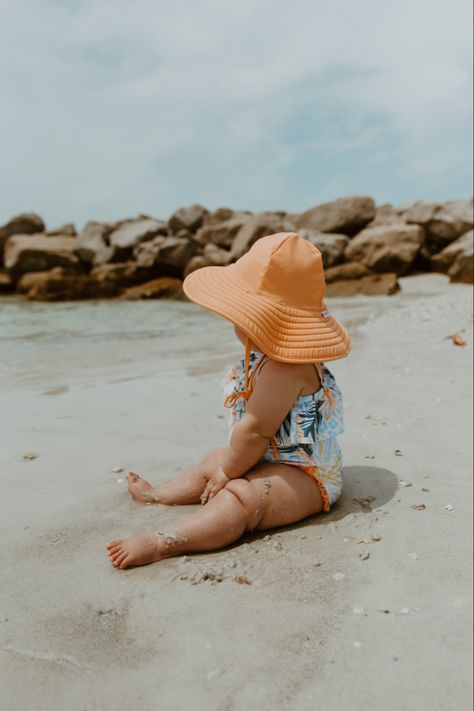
[168,256]
[31,253]
[386,215]
[92,242]
[124,239]
[389,248]
[220,215]
[256,226]
[120,276]
[222,233]
[347,215]
[372,285]
[442,261]
[26,224]
[331,246]
[187,218]
[68,229]
[162,288]
[450,221]
[444,222]
[60,284]
[419,212]
[349,270]
[195,263]
[457,259]
[215,256]
[6,283]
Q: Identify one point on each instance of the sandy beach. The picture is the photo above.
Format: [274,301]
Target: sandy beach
[302,619]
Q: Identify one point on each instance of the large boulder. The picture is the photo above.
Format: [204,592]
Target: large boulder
[389,248]
[31,253]
[128,235]
[120,276]
[93,246]
[457,259]
[162,288]
[343,272]
[450,221]
[187,218]
[68,229]
[386,215]
[331,246]
[220,214]
[347,215]
[223,232]
[167,256]
[215,256]
[256,226]
[372,285]
[443,222]
[26,224]
[60,284]
[419,212]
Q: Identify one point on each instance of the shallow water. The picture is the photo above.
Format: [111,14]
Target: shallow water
[49,345]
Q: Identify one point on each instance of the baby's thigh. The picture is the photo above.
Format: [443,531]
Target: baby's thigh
[290,495]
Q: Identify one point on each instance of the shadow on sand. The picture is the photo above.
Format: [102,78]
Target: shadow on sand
[365,488]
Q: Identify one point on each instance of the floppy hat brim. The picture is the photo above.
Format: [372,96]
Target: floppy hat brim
[285,334]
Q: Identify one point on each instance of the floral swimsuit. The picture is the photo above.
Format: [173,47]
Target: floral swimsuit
[307,437]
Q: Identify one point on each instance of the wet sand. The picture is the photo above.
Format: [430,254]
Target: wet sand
[320,625]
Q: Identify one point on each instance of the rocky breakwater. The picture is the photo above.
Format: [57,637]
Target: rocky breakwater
[365,248]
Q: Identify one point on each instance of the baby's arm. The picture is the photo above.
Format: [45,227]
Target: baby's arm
[274,394]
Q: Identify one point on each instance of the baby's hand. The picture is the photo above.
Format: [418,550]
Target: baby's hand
[217,481]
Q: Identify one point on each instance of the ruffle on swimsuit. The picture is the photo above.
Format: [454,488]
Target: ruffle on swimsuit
[307,438]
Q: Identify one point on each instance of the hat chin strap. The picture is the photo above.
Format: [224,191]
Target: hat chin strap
[246,393]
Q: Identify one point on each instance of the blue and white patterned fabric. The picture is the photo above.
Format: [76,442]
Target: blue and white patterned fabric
[307,438]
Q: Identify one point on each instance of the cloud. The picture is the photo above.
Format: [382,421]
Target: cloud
[114,108]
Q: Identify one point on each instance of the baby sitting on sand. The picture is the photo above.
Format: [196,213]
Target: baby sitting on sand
[283,462]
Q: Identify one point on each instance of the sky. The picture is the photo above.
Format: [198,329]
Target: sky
[112,108]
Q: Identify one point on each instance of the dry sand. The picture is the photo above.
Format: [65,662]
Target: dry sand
[318,627]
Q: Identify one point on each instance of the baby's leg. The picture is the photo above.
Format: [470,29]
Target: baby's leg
[270,495]
[184,489]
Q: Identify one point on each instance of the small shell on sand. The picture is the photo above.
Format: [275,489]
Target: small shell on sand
[364,556]
[30,456]
[418,507]
[457,340]
[242,580]
[117,470]
[449,507]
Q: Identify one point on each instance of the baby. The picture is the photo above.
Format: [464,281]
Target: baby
[283,462]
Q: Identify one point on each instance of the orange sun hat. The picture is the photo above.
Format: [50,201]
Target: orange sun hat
[275,294]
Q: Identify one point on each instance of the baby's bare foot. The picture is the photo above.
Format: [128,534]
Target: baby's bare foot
[140,489]
[137,550]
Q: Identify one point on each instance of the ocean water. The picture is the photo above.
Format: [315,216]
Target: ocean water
[49,345]
[107,341]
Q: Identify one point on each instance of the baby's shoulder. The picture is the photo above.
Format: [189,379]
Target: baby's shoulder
[295,373]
